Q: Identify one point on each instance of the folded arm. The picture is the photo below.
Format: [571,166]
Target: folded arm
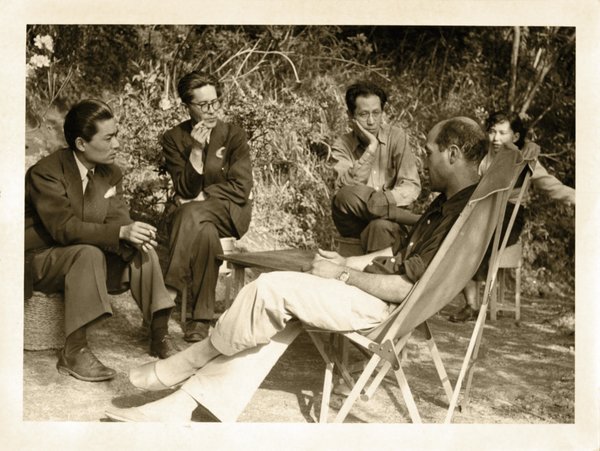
[390,288]
[187,181]
[350,171]
[407,186]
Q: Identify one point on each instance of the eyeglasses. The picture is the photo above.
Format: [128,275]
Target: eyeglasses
[364,115]
[205,107]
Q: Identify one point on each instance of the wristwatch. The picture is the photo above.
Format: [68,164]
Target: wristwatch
[344,276]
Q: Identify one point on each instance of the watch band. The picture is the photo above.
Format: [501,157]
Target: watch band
[344,276]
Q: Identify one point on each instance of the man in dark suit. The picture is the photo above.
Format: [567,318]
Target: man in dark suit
[80,239]
[209,163]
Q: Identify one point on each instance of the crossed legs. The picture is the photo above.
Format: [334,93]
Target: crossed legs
[253,330]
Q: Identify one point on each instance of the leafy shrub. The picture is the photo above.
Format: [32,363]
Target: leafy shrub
[284,86]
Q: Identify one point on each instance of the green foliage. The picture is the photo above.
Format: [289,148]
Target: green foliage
[284,85]
[141,123]
[289,176]
[549,250]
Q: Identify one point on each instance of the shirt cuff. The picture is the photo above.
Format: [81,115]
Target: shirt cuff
[196,162]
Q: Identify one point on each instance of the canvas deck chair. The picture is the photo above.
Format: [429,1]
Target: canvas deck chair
[455,263]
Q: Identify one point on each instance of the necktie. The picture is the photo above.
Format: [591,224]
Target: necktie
[92,202]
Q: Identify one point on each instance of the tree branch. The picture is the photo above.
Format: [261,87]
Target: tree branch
[513,67]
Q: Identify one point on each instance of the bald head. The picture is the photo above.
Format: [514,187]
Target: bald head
[462,132]
[455,147]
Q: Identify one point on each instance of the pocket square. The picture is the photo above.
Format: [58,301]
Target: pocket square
[111,192]
[220,152]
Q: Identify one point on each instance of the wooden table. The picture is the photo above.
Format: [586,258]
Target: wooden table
[282,260]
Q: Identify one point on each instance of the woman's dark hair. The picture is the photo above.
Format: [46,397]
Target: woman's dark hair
[515,122]
[81,120]
[364,88]
[195,80]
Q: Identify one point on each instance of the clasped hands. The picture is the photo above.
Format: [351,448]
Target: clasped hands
[327,264]
[140,234]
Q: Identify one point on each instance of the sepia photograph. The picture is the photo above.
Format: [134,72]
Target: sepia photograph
[232,224]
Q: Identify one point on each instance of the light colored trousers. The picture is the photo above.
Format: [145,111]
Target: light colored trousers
[255,331]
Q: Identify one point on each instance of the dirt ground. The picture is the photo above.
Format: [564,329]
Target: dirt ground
[525,374]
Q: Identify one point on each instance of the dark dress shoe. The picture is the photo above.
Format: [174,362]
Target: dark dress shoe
[196,331]
[163,347]
[466,314]
[84,365]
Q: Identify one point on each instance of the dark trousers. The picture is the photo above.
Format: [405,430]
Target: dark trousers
[353,219]
[194,245]
[86,275]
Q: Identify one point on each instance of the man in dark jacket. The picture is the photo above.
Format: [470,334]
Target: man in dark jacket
[80,239]
[209,163]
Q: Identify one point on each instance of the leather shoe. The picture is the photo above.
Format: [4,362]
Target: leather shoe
[196,331]
[84,365]
[163,347]
[466,314]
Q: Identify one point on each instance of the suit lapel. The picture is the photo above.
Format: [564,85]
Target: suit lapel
[217,140]
[75,188]
[73,182]
[102,179]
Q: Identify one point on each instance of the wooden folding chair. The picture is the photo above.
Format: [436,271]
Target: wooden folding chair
[455,263]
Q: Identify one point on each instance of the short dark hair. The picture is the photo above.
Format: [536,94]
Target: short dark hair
[467,135]
[195,80]
[515,122]
[364,88]
[81,120]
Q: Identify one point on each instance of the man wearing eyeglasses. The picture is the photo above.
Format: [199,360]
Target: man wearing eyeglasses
[209,163]
[377,177]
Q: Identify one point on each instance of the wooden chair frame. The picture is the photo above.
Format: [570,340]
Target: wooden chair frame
[386,342]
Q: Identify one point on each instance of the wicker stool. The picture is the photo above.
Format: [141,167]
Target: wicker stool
[44,320]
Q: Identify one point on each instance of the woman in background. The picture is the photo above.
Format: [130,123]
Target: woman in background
[506,129]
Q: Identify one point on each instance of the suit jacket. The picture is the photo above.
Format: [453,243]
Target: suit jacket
[54,205]
[227,168]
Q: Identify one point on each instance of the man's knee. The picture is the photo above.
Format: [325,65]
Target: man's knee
[381,233]
[351,196]
[383,226]
[88,254]
[207,232]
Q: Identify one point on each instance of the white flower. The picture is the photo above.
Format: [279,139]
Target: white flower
[29,70]
[165,103]
[39,61]
[44,42]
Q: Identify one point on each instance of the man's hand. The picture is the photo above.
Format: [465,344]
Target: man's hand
[200,133]
[326,269]
[140,234]
[366,137]
[331,256]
